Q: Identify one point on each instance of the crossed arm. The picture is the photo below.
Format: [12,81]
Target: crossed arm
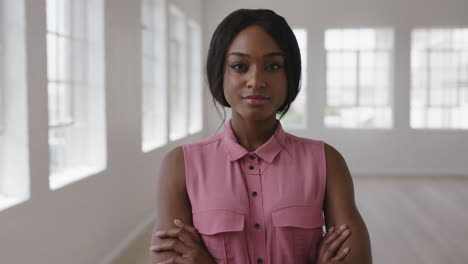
[340,208]
[172,200]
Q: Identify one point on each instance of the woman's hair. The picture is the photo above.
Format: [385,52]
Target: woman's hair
[277,27]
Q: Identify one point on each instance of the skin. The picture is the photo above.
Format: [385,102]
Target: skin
[340,208]
[255,65]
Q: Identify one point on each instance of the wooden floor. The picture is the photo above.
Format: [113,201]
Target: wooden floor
[415,219]
[411,220]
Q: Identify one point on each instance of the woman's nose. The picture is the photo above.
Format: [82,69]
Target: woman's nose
[255,78]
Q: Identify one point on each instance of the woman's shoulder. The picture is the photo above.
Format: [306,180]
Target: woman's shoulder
[173,164]
[303,140]
[205,142]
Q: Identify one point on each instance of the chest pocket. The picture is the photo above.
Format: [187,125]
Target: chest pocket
[222,233]
[297,232]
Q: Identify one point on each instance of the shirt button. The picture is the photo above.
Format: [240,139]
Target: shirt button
[252,157]
[257,226]
[254,193]
[251,167]
[259,260]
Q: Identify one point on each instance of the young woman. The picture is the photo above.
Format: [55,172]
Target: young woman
[253,193]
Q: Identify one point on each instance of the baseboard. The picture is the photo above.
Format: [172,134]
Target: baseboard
[128,241]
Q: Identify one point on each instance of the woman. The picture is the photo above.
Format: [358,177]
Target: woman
[254,193]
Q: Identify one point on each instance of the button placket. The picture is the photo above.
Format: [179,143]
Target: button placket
[253,165]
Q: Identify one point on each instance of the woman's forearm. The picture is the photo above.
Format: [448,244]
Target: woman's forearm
[360,252]
[157,257]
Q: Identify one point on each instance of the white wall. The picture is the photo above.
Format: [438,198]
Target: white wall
[400,151]
[88,221]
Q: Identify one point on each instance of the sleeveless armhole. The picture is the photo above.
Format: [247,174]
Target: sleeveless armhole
[323,183]
[323,176]
[185,149]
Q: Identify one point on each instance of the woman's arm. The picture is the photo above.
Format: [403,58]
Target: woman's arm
[340,208]
[171,199]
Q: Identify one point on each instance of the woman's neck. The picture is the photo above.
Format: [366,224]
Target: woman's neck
[251,134]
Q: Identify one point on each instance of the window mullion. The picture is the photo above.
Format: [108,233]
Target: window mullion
[428,86]
[2,75]
[71,87]
[358,79]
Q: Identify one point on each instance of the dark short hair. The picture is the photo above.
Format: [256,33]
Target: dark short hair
[277,27]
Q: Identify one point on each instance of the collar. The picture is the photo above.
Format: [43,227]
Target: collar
[266,152]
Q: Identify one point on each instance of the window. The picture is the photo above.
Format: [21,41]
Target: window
[195,78]
[439,83]
[154,75]
[296,116]
[359,78]
[2,106]
[177,74]
[2,82]
[14,161]
[75,69]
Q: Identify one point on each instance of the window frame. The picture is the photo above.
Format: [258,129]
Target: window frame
[67,82]
[304,83]
[429,71]
[358,70]
[157,63]
[177,76]
[77,143]
[194,76]
[14,167]
[2,73]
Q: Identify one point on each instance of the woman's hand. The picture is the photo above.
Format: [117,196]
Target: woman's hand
[185,240]
[331,242]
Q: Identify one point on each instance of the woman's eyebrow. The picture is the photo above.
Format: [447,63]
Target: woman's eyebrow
[273,54]
[239,54]
[268,55]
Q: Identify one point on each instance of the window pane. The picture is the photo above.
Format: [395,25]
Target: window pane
[195,88]
[65,103]
[52,60]
[53,97]
[367,39]
[358,78]
[178,75]
[14,147]
[333,39]
[64,58]
[52,15]
[64,17]
[438,70]
[154,99]
[75,89]
[296,116]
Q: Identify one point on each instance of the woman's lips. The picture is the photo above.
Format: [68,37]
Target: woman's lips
[256,101]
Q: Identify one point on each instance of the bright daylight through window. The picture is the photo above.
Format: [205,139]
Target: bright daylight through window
[75,69]
[359,78]
[439,78]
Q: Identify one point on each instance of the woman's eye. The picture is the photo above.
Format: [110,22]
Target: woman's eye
[273,67]
[238,66]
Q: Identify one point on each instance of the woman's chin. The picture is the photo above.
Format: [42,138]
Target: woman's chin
[255,115]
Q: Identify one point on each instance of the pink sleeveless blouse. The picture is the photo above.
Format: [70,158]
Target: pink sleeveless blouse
[264,206]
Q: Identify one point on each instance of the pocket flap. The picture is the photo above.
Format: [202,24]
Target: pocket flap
[299,216]
[218,221]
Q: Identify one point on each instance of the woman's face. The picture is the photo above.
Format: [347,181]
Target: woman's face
[255,68]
